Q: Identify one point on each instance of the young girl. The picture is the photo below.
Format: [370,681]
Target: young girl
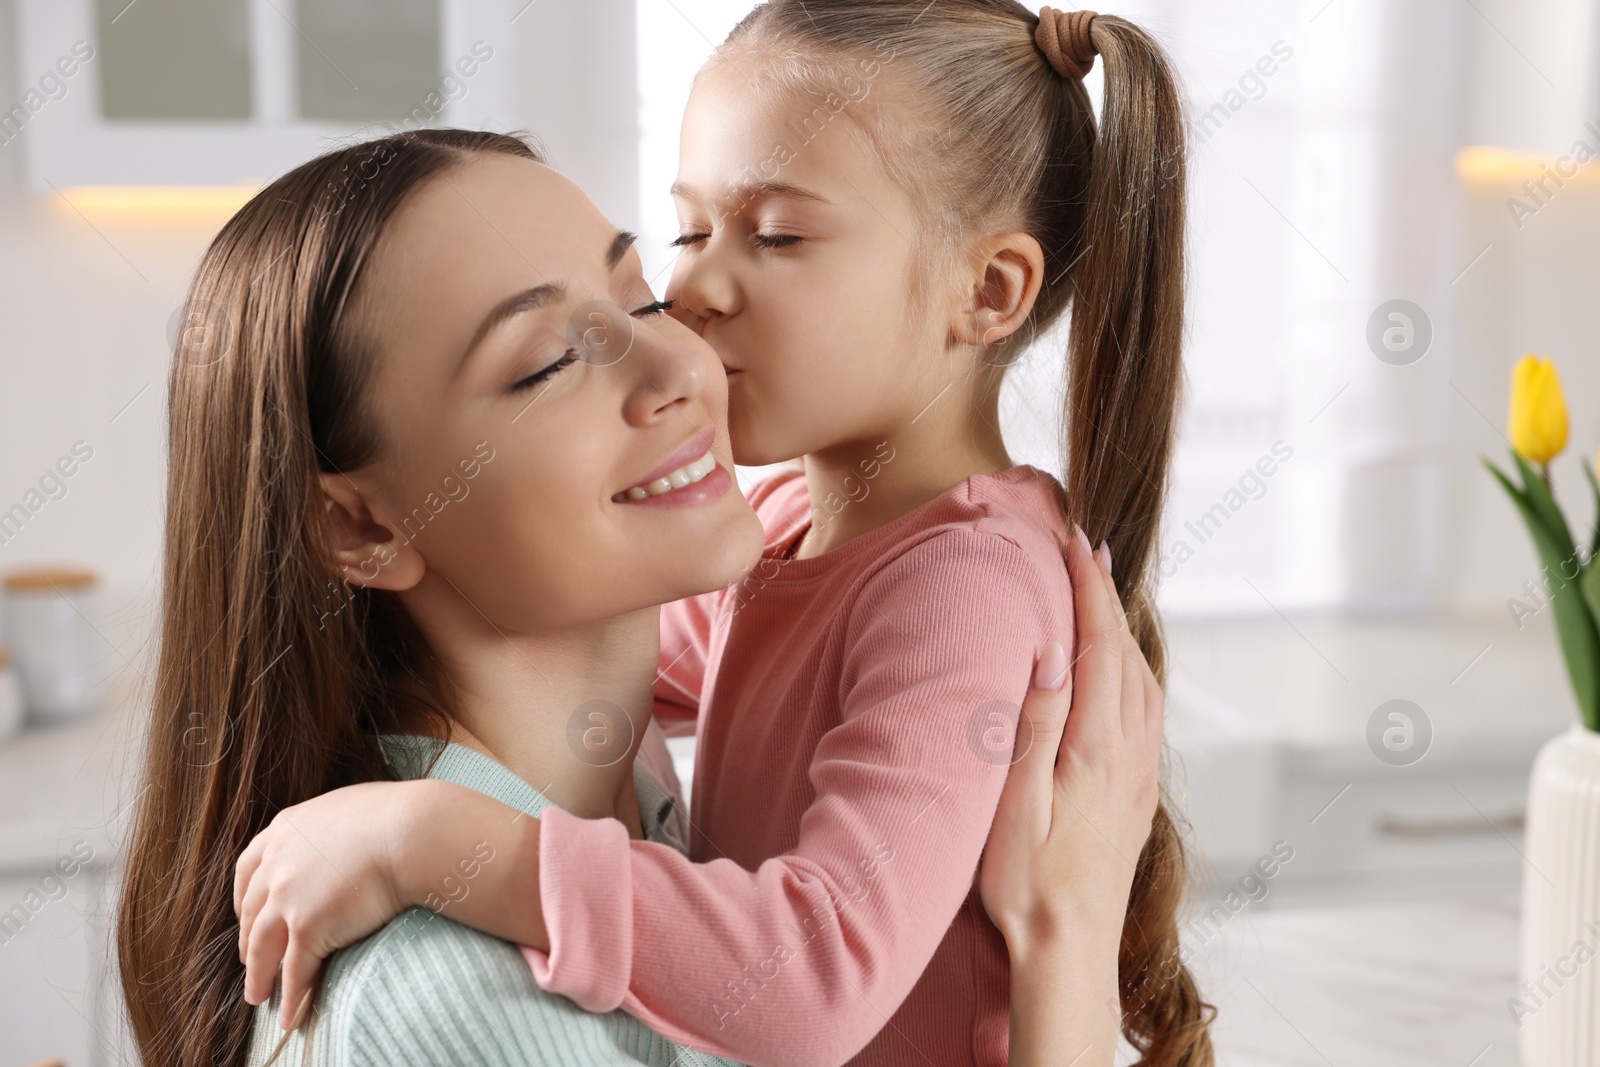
[880,204]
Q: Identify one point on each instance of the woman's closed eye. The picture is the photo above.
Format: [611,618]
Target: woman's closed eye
[571,356]
[522,385]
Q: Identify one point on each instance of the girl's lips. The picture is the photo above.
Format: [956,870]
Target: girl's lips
[711,487]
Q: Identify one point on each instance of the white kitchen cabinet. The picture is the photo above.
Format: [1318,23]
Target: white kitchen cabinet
[230,92]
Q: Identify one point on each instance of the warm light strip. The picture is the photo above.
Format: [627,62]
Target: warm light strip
[1487,165]
[159,203]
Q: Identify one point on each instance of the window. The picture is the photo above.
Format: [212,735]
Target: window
[232,92]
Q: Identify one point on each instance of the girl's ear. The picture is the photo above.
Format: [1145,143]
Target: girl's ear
[368,552]
[1009,271]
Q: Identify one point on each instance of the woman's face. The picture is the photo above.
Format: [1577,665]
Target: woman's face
[531,399]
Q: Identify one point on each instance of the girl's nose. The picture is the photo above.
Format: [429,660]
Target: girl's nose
[703,286]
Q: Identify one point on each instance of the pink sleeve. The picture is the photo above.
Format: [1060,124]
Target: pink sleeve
[681,670]
[805,959]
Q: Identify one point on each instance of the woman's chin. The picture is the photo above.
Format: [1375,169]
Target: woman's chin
[727,558]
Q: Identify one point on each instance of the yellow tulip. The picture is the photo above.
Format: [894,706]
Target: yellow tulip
[1538,410]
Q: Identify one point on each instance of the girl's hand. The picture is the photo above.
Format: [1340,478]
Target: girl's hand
[330,871]
[1073,817]
[320,877]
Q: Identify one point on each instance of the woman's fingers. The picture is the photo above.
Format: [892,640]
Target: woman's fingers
[1039,728]
[1155,707]
[1097,674]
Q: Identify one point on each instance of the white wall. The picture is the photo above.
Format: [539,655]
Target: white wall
[84,307]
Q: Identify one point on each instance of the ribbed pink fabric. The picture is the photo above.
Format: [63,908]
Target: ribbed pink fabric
[846,777]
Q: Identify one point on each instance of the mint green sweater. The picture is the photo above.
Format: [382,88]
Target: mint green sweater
[426,991]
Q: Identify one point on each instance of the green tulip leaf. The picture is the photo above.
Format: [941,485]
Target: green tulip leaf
[1594,483]
[1545,505]
[1589,585]
[1575,623]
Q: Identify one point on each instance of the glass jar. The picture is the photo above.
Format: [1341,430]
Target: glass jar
[10,697]
[56,649]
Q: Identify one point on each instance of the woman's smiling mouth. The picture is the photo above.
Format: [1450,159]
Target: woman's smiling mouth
[691,475]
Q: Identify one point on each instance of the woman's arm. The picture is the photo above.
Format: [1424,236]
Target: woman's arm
[1073,817]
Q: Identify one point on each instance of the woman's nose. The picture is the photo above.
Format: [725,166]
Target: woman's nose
[669,373]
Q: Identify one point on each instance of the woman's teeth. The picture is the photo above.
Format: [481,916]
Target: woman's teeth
[687,474]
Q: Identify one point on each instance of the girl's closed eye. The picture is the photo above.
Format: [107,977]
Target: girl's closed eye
[772,241]
[765,241]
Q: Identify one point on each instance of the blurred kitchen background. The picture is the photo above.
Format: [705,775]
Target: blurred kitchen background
[1353,160]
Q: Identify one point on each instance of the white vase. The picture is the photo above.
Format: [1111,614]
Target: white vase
[1557,1008]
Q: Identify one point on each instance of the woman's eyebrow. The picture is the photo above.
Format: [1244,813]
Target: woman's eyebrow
[509,308]
[619,248]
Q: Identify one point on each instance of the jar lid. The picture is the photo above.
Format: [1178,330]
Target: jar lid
[48,580]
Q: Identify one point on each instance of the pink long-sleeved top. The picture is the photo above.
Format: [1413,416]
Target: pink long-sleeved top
[856,717]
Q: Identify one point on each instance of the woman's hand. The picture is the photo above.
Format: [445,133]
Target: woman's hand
[331,871]
[1072,820]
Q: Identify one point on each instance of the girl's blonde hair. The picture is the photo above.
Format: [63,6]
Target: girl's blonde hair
[972,119]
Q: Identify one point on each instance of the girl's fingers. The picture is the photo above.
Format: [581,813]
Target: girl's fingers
[269,937]
[299,982]
[249,860]
[255,899]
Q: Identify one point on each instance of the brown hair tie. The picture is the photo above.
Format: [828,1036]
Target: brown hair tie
[1063,37]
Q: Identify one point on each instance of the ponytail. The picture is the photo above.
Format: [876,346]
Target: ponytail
[1124,368]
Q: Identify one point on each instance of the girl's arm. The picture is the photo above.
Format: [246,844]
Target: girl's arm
[803,958]
[686,628]
[1067,834]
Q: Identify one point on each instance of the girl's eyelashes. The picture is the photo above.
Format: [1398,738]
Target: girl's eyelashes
[765,241]
[545,374]
[773,240]
[658,307]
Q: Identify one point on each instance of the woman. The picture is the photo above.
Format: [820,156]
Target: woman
[392,311]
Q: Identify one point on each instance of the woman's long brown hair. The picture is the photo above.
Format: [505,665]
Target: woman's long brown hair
[274,677]
[972,119]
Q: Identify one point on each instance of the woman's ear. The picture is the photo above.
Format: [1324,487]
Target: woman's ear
[367,551]
[1008,273]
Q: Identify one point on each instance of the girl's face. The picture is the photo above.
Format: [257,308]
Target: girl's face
[524,382]
[796,264]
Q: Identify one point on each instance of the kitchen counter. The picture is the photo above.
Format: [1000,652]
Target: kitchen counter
[1413,984]
[1267,721]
